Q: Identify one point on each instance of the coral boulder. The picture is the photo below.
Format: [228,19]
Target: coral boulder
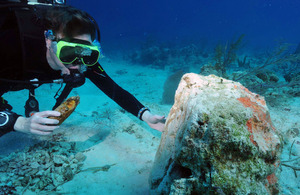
[218,139]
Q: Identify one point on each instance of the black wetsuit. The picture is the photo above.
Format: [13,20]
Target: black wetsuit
[23,58]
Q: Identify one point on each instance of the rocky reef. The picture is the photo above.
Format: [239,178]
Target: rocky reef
[170,87]
[40,168]
[218,139]
[178,56]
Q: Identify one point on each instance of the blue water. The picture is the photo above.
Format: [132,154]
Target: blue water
[126,27]
[264,22]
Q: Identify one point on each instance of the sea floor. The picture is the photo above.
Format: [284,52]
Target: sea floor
[108,136]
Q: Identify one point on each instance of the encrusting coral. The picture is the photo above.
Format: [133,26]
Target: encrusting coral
[218,139]
[42,167]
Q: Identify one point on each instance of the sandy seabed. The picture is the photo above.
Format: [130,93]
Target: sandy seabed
[108,136]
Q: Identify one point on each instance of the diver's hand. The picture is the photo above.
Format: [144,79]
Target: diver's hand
[154,121]
[64,70]
[38,123]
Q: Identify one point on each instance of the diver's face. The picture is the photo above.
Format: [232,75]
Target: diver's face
[84,37]
[56,64]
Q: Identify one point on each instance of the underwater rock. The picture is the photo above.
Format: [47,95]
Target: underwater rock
[292,76]
[267,75]
[266,84]
[170,87]
[41,167]
[218,139]
[248,80]
[80,156]
[294,79]
[160,55]
[209,69]
[153,55]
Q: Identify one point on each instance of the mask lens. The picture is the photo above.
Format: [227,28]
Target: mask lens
[91,59]
[68,54]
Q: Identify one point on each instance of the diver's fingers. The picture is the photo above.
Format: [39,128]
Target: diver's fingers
[48,121]
[65,70]
[46,113]
[42,128]
[161,119]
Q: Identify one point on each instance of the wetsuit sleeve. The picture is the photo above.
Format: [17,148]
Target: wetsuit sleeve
[122,97]
[7,117]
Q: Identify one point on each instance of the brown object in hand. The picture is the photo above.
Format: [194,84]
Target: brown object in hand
[66,109]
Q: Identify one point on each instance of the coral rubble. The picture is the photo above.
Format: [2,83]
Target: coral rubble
[42,167]
[218,139]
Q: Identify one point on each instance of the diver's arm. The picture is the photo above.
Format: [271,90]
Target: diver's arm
[122,97]
[36,124]
[7,117]
[7,121]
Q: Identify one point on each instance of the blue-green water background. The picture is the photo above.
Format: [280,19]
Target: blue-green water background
[124,24]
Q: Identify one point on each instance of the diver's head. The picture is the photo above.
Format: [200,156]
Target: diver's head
[77,52]
[69,22]
[72,31]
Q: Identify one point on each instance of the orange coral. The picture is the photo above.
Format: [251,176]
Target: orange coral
[260,123]
[272,179]
[257,109]
[271,184]
[249,125]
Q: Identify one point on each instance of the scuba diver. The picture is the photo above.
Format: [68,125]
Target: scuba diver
[49,42]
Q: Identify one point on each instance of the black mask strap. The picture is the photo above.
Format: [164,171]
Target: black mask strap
[64,94]
[32,105]
[73,80]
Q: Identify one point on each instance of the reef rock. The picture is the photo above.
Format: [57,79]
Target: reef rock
[170,87]
[218,139]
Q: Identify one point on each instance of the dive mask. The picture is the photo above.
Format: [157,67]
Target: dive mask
[70,51]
